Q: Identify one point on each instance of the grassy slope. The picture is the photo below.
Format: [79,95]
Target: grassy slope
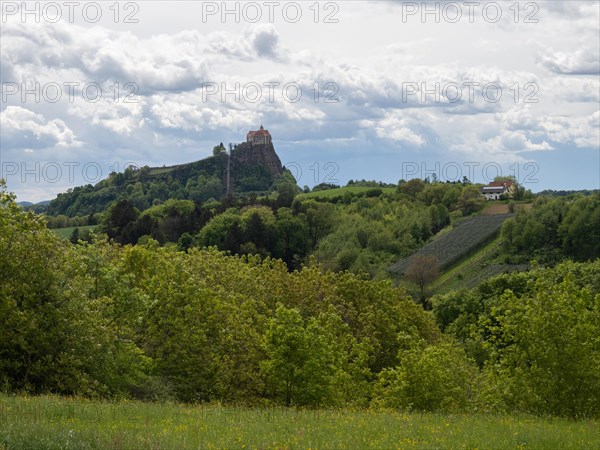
[464,240]
[54,422]
[329,193]
[470,271]
[66,232]
[477,265]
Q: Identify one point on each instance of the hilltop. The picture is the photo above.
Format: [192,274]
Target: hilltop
[247,168]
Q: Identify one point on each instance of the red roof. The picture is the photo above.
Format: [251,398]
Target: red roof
[260,132]
[507,183]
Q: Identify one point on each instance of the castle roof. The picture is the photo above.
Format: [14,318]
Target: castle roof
[260,132]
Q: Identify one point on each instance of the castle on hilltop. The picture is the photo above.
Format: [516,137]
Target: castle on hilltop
[259,137]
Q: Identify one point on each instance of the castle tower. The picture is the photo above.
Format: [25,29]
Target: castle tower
[259,137]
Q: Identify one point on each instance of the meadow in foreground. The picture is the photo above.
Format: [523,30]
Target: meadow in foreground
[50,422]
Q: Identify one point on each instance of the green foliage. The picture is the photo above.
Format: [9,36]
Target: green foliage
[154,322]
[57,332]
[120,220]
[544,350]
[435,378]
[470,200]
[579,232]
[198,181]
[555,229]
[217,149]
[535,334]
[297,368]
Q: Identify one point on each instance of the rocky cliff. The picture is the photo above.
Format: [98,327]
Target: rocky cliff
[254,167]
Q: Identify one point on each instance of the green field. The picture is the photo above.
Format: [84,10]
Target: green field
[154,171]
[331,193]
[54,422]
[66,232]
[463,241]
[472,270]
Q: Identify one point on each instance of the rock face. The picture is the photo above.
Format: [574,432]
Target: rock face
[245,155]
[254,167]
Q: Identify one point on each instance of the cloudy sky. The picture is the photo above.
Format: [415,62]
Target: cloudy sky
[350,89]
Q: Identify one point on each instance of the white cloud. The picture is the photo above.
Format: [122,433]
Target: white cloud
[583,61]
[396,126]
[24,128]
[190,116]
[265,40]
[164,62]
[578,131]
[367,55]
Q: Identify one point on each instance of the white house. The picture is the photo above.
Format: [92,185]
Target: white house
[497,189]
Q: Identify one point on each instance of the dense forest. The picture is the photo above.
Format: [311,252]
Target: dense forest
[265,324]
[365,227]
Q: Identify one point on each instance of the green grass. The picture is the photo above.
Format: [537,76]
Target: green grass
[330,193]
[65,233]
[465,271]
[154,171]
[54,422]
[465,238]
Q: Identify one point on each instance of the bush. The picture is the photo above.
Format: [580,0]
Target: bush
[437,378]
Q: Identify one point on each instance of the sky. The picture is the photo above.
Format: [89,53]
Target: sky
[382,90]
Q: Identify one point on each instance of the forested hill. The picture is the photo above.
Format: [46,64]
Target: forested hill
[253,168]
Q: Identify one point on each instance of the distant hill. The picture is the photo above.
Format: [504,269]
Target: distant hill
[252,169]
[564,193]
[37,208]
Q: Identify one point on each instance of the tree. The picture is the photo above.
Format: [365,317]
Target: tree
[435,378]
[285,194]
[74,236]
[470,200]
[411,187]
[218,149]
[120,222]
[580,229]
[320,218]
[297,367]
[292,237]
[222,231]
[545,352]
[56,334]
[422,270]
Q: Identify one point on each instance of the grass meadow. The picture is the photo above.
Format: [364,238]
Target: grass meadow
[49,422]
[338,192]
[66,233]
